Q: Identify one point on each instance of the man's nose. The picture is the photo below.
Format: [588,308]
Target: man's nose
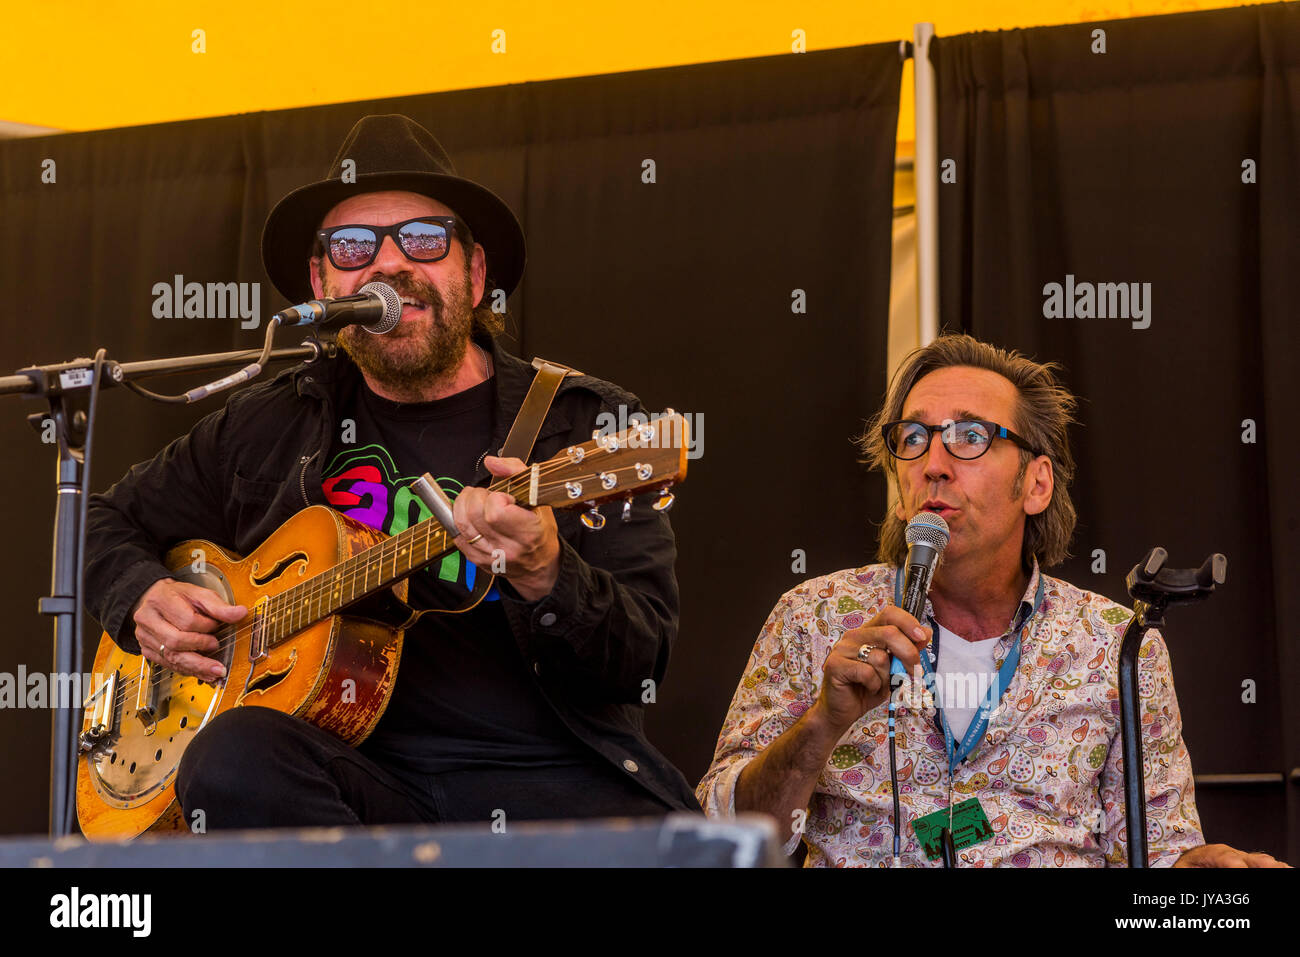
[938,460]
[390,258]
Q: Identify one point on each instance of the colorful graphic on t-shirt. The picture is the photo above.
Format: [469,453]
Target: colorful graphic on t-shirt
[362,483]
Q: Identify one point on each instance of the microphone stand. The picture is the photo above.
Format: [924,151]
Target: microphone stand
[71,390]
[1153,587]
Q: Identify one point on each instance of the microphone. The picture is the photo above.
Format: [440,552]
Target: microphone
[376,307]
[927,536]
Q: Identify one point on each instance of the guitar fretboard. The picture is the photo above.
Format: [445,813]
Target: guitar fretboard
[364,574]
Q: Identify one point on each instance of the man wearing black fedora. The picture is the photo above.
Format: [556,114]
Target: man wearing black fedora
[528,704]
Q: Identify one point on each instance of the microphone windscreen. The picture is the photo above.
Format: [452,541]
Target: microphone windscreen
[392,307]
[927,528]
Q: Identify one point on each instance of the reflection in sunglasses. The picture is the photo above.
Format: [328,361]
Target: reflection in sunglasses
[355,246]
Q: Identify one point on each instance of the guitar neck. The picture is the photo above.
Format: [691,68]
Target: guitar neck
[365,573]
[645,456]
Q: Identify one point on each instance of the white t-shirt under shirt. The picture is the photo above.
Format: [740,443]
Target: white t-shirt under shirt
[965,673]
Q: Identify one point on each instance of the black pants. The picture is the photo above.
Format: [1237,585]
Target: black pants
[256,767]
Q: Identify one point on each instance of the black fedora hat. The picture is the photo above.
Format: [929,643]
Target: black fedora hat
[391,152]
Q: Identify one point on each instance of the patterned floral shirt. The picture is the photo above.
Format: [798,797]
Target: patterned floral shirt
[1048,772]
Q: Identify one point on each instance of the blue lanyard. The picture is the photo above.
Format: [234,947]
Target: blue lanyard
[974,733]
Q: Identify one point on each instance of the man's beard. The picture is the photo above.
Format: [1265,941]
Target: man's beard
[408,360]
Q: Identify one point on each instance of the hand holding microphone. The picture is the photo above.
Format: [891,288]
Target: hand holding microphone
[927,536]
[855,678]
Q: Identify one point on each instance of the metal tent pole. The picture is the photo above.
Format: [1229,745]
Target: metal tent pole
[927,184]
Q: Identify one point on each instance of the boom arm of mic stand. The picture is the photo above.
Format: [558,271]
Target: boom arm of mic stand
[63,377]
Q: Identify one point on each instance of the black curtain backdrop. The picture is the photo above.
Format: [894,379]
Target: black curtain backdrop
[1127,166]
[771,175]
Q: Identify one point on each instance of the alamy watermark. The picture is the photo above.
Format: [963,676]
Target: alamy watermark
[213,300]
[611,423]
[951,689]
[40,690]
[1103,300]
[77,910]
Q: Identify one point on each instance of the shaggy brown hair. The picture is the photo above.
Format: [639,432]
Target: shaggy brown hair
[1043,412]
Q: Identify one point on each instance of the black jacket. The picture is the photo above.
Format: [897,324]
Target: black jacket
[241,472]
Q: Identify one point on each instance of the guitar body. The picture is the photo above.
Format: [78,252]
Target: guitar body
[337,672]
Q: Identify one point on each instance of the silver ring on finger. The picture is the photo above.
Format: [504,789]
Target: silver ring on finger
[162,651]
[864,652]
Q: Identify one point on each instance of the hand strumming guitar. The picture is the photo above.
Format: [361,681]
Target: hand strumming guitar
[174,622]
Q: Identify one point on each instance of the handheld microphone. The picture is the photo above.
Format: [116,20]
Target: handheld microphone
[927,536]
[376,307]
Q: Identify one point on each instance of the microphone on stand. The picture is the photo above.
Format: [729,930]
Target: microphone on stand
[376,307]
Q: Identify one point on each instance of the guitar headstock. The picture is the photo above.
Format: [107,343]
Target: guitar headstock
[640,458]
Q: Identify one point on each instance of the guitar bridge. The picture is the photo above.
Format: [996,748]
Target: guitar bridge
[102,714]
[147,695]
[258,643]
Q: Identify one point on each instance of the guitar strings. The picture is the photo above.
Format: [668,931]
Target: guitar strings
[309,593]
[319,584]
[314,588]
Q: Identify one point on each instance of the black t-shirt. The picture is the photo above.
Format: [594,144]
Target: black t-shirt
[463,698]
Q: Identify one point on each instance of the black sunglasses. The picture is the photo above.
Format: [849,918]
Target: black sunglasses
[424,239]
[968,439]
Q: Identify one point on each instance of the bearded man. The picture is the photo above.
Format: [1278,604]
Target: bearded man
[528,702]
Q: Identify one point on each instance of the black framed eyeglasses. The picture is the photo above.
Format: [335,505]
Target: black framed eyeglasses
[424,239]
[967,439]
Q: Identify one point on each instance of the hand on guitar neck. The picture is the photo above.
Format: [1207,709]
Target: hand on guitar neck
[174,622]
[520,544]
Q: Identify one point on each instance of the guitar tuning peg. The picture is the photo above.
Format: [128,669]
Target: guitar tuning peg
[627,509]
[665,500]
[592,519]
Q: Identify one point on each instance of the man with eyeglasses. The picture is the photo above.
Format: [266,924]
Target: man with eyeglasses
[524,702]
[1028,777]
